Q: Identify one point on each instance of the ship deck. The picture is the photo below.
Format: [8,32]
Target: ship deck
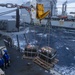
[20,66]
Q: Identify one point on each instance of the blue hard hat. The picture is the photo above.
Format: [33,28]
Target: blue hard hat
[5,51]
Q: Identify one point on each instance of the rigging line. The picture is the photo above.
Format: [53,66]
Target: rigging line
[49,29]
[34,32]
[48,34]
[7,12]
[43,33]
[26,38]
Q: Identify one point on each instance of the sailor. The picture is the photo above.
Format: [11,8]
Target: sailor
[10,42]
[6,58]
[1,62]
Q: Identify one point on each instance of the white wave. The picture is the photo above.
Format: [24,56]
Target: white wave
[54,35]
[22,48]
[14,39]
[27,30]
[46,71]
[22,45]
[74,57]
[32,31]
[42,35]
[58,45]
[15,43]
[67,48]
[33,42]
[63,37]
[66,70]
[73,40]
[22,42]
[45,35]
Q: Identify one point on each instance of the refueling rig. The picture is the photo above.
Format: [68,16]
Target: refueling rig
[44,56]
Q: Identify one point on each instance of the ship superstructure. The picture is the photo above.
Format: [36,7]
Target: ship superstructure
[48,5]
[63,20]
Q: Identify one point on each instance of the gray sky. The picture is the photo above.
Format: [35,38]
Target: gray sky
[71,3]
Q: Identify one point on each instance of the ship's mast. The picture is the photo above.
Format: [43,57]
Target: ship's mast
[64,8]
[53,7]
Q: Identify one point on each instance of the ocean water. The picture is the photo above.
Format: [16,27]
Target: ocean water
[6,17]
[60,39]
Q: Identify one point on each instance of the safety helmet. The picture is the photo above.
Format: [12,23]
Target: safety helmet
[5,51]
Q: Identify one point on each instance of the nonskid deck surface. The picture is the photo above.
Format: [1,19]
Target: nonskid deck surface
[19,66]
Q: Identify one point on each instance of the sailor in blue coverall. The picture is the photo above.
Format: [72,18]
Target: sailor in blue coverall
[1,62]
[6,59]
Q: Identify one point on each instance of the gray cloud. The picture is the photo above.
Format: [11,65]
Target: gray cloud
[13,1]
[59,2]
[71,1]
